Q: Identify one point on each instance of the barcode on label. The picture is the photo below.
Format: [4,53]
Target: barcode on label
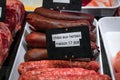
[61,1]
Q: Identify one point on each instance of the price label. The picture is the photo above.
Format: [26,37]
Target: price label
[67,39]
[67,43]
[71,5]
[61,1]
[2,9]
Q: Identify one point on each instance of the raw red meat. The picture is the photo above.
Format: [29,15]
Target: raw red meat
[13,22]
[27,66]
[117,76]
[62,74]
[117,12]
[116,62]
[85,2]
[50,77]
[14,15]
[5,41]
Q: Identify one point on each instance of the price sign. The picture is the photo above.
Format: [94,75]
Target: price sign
[74,5]
[2,9]
[66,43]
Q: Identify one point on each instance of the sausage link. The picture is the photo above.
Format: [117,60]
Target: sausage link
[51,77]
[94,46]
[36,54]
[27,66]
[63,73]
[42,23]
[63,15]
[36,39]
[92,36]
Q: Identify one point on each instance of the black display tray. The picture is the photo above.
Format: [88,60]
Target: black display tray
[8,63]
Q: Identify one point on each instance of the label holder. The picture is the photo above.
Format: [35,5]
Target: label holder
[2,10]
[71,5]
[82,52]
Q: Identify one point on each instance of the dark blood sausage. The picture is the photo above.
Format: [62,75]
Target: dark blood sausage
[63,74]
[63,15]
[36,54]
[36,39]
[31,65]
[42,23]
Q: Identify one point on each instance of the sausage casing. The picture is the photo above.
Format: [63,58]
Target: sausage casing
[63,74]
[36,39]
[27,66]
[63,15]
[36,54]
[42,23]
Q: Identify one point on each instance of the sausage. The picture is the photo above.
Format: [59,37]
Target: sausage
[63,15]
[94,46]
[42,23]
[92,36]
[36,39]
[51,77]
[63,74]
[117,76]
[36,54]
[56,72]
[27,66]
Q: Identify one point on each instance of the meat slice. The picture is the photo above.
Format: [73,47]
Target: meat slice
[14,15]
[5,41]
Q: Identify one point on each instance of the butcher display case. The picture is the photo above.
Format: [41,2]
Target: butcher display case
[22,49]
[106,31]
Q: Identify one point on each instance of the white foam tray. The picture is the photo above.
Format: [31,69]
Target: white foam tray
[110,32]
[14,75]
